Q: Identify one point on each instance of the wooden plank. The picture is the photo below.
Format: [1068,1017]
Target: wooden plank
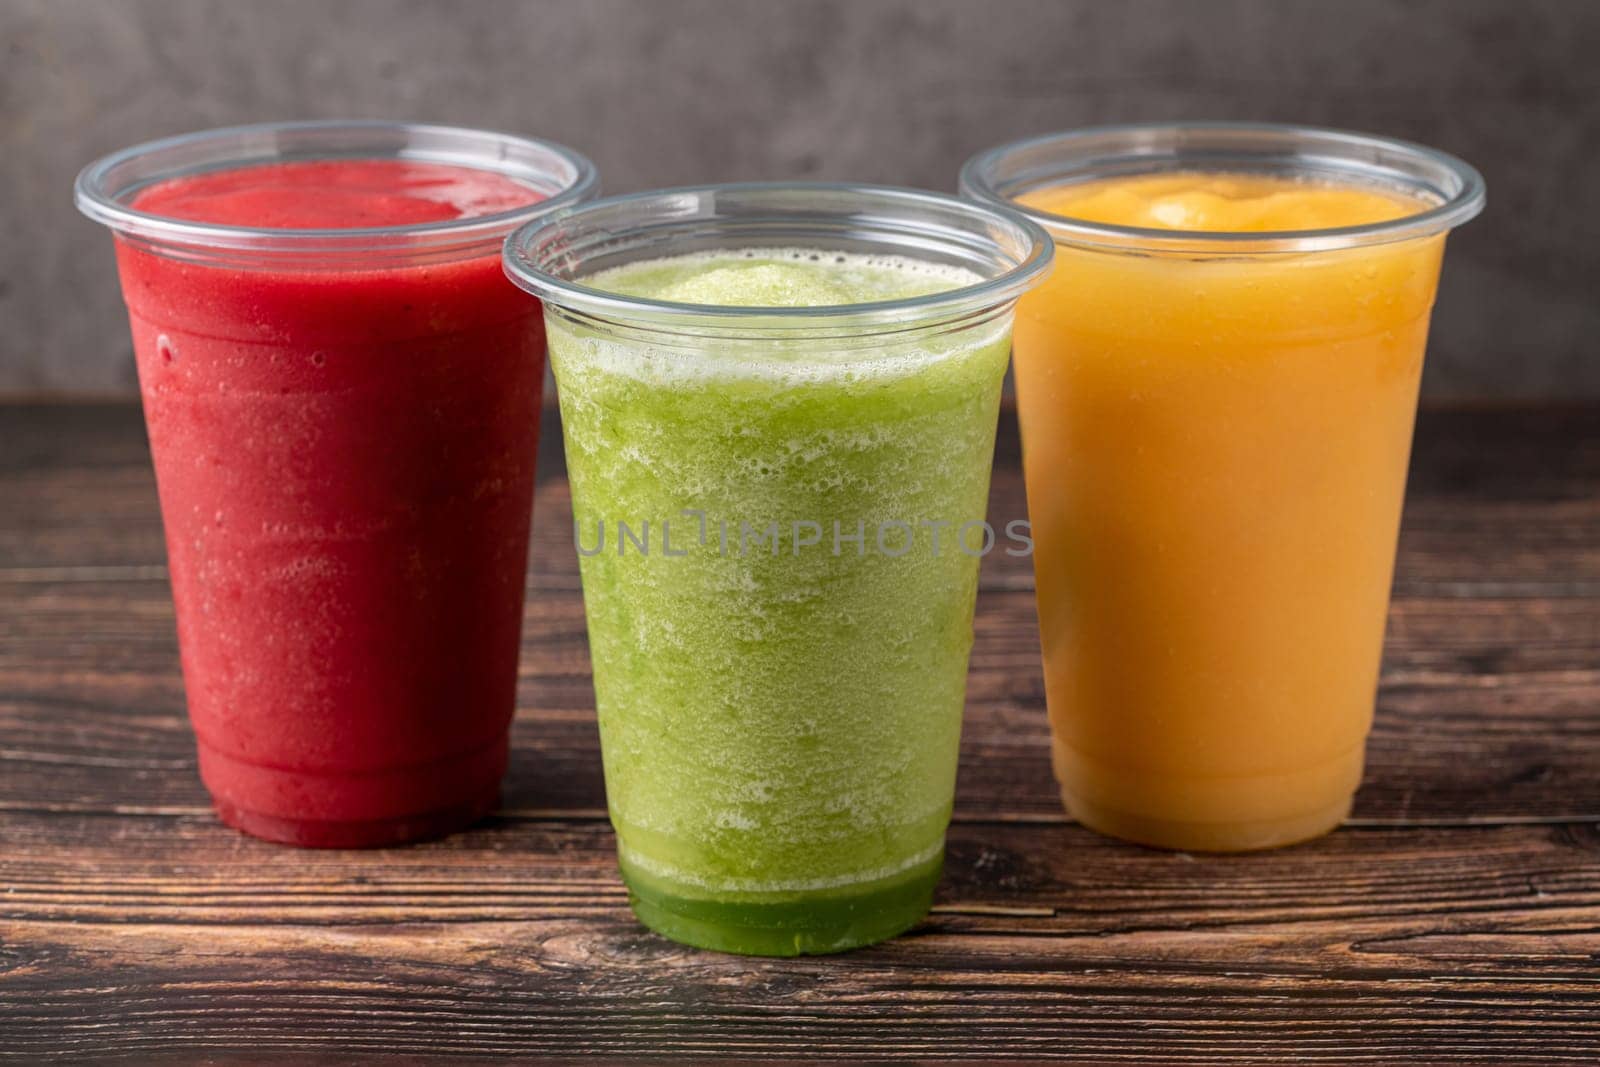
[1488,712]
[1500,503]
[161,936]
[1457,921]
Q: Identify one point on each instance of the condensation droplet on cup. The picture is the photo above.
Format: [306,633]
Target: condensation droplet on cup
[169,351]
[319,359]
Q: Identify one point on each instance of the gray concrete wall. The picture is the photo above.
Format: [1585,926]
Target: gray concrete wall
[663,92]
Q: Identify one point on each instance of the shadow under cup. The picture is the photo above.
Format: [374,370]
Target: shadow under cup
[343,424]
[780,650]
[1215,429]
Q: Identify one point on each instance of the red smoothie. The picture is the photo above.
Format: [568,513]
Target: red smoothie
[345,456]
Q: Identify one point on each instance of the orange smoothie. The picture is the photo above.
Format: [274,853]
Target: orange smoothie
[1216,441]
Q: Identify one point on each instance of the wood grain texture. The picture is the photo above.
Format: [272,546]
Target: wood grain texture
[1457,920]
[1047,941]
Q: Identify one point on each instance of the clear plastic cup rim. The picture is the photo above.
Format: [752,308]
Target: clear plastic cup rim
[103,188]
[1455,189]
[546,256]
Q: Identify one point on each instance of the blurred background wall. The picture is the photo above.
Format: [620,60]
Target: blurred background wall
[662,92]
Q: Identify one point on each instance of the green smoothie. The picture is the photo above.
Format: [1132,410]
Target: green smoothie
[779,591]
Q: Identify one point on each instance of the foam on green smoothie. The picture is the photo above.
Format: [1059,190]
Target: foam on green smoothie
[781,278]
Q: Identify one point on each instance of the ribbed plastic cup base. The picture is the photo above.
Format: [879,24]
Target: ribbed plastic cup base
[797,924]
[1187,836]
[1199,812]
[365,809]
[369,833]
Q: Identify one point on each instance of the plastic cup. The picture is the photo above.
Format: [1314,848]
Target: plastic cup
[343,425]
[780,648]
[1215,428]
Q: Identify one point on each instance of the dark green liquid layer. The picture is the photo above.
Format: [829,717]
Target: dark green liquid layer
[810,924]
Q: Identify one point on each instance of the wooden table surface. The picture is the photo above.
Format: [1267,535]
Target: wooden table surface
[1456,919]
